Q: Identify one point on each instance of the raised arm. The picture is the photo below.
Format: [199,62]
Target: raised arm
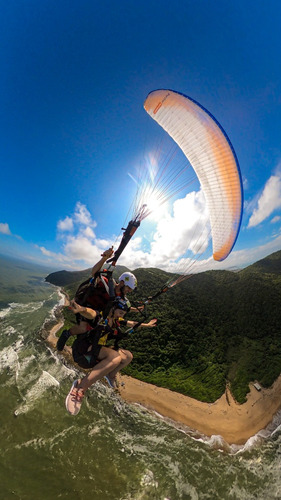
[106,255]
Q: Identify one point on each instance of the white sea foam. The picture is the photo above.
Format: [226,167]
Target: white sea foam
[21,308]
[217,442]
[45,381]
[43,442]
[26,308]
[95,430]
[52,315]
[24,364]
[148,479]
[62,298]
[5,312]
[49,379]
[261,436]
[8,330]
[276,431]
[9,356]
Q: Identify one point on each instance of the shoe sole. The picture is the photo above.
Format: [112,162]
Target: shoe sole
[68,396]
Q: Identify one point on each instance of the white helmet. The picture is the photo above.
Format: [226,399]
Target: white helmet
[129,280]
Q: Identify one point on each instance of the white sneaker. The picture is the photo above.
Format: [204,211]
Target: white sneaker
[74,399]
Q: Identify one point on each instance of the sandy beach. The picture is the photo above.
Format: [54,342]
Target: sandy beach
[234,422]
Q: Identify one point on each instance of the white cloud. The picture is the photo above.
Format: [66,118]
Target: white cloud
[104,244]
[83,216]
[82,245]
[269,201]
[53,256]
[46,252]
[4,228]
[65,224]
[243,258]
[173,242]
[88,233]
[186,229]
[275,219]
[81,248]
[245,182]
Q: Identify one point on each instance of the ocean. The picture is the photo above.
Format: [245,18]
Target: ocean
[112,450]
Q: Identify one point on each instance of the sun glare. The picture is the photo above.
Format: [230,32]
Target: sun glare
[157,206]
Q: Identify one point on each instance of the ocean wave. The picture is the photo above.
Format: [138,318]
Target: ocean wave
[9,356]
[52,441]
[216,441]
[8,330]
[21,308]
[5,312]
[62,298]
[23,367]
[45,381]
[263,435]
[53,313]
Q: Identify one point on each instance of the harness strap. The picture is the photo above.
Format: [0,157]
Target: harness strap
[105,284]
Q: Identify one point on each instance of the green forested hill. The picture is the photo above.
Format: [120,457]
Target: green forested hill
[270,264]
[215,328]
[64,278]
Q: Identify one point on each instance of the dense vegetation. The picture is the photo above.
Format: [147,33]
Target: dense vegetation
[215,328]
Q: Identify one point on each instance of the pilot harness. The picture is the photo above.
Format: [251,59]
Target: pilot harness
[104,288]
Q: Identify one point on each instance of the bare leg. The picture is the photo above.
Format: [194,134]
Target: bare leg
[109,361]
[126,358]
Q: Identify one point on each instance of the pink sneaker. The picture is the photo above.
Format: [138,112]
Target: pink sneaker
[74,399]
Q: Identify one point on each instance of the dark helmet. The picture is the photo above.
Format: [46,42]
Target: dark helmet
[122,304]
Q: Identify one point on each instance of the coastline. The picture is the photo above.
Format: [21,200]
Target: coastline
[234,422]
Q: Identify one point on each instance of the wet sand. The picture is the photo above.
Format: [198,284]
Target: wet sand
[234,422]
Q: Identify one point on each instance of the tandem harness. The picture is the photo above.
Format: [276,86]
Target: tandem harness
[87,346]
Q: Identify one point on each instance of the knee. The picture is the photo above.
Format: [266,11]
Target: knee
[129,356]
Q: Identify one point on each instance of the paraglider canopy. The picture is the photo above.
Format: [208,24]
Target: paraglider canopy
[211,155]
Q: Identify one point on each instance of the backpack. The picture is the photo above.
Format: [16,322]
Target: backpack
[93,292]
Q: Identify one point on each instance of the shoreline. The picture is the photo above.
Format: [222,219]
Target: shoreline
[236,423]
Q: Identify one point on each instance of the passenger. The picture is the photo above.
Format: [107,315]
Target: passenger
[90,351]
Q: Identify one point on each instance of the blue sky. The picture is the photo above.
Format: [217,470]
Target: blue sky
[74,77]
